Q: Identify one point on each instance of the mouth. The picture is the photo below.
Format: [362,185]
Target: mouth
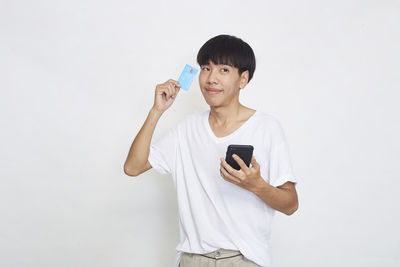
[213,91]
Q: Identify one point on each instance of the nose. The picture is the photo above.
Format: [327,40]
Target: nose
[212,77]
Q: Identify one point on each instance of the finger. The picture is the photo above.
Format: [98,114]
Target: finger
[165,95]
[175,83]
[171,87]
[165,91]
[254,163]
[160,89]
[229,168]
[171,90]
[177,89]
[240,162]
[228,177]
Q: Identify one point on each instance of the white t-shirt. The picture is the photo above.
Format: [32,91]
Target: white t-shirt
[214,213]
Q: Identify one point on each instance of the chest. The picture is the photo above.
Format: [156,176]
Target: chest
[222,131]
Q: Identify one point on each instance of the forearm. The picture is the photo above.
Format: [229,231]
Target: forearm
[281,199]
[140,148]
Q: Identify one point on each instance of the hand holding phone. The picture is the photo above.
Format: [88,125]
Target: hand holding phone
[245,152]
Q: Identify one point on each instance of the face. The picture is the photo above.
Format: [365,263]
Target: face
[220,84]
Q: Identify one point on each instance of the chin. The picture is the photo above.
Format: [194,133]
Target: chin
[211,101]
[213,104]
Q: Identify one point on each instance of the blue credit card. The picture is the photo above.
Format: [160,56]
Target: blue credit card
[187,76]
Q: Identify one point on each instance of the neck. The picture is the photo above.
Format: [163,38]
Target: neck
[226,115]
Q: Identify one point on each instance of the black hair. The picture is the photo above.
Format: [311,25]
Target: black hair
[228,50]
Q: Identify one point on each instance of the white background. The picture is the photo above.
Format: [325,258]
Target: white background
[77,80]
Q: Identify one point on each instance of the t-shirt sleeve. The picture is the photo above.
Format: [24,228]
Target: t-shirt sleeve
[280,167]
[162,153]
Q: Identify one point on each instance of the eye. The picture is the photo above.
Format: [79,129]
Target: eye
[225,70]
[203,68]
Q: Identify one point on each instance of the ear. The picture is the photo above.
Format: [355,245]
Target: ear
[244,79]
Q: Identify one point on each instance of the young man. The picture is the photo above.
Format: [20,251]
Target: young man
[225,214]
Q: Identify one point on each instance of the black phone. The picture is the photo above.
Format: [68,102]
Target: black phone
[245,152]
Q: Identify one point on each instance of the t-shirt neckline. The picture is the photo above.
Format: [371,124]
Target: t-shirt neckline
[224,138]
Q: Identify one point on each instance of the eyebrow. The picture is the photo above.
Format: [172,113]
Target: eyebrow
[218,65]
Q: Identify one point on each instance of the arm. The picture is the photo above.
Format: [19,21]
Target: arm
[137,160]
[282,198]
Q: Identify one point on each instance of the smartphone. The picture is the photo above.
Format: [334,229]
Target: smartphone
[245,152]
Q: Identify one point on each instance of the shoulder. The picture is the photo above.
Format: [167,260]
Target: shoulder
[268,121]
[194,118]
[271,127]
